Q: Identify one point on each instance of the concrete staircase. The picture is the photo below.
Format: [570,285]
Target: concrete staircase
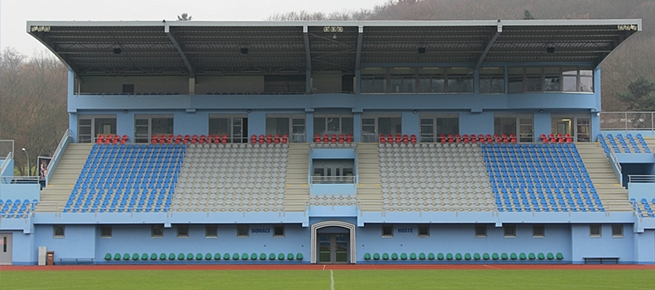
[64,177]
[296,191]
[369,190]
[613,196]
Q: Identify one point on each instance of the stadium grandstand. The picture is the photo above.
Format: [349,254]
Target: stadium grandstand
[335,142]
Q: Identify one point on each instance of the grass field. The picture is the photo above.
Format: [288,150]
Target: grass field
[328,279]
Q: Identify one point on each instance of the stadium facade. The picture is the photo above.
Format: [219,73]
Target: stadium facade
[334,142]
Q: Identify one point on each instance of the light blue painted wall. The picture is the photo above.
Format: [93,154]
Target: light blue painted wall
[584,246]
[20,191]
[137,239]
[196,123]
[9,167]
[476,123]
[411,124]
[644,247]
[457,238]
[24,252]
[78,241]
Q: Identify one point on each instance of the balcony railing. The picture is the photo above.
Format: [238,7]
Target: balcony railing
[627,121]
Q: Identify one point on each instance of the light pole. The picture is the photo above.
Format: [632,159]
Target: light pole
[27,157]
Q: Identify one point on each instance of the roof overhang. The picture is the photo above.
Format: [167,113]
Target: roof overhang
[213,48]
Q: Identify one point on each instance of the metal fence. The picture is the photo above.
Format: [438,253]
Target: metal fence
[627,121]
[6,148]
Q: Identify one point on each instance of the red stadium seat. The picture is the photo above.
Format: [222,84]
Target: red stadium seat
[269,139]
[100,139]
[480,138]
[253,139]
[341,138]
[567,138]
[262,139]
[349,138]
[489,138]
[405,139]
[285,139]
[317,138]
[451,139]
[412,139]
[390,139]
[224,139]
[333,138]
[458,138]
[442,138]
[326,138]
[474,139]
[398,138]
[383,139]
[276,139]
[465,138]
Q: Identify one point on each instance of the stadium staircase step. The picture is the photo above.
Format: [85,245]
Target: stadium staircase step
[369,190]
[64,177]
[613,196]
[296,191]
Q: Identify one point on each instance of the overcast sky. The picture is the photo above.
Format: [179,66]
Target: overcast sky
[15,13]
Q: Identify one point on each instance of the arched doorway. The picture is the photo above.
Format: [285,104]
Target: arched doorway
[333,247]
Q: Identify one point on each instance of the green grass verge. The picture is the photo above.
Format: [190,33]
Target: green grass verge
[317,279]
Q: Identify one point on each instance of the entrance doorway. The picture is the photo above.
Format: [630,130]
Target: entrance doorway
[333,242]
[333,248]
[5,249]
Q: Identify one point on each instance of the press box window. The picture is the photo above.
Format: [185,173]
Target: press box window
[183,231]
[617,231]
[157,231]
[278,232]
[595,231]
[105,231]
[242,231]
[58,231]
[480,231]
[387,231]
[423,231]
[509,231]
[538,231]
[211,231]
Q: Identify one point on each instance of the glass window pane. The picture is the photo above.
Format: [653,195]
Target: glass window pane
[447,126]
[162,126]
[219,126]
[319,126]
[424,85]
[347,125]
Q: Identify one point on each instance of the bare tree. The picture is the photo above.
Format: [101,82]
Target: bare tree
[33,98]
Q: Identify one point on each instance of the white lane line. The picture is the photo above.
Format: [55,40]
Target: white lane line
[331,280]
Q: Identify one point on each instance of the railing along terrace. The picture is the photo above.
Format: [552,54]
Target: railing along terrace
[627,121]
[19,179]
[641,178]
[616,166]
[332,179]
[6,149]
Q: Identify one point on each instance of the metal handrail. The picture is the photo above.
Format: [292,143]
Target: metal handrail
[641,178]
[626,122]
[58,152]
[19,179]
[616,166]
[332,179]
[4,164]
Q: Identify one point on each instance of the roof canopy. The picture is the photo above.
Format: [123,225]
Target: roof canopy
[210,48]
